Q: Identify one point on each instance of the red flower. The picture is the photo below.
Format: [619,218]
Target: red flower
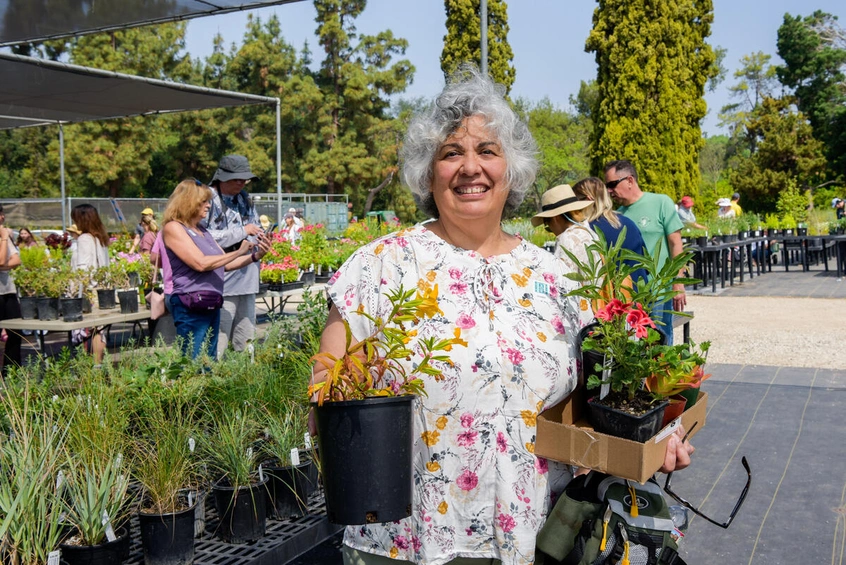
[610,310]
[639,321]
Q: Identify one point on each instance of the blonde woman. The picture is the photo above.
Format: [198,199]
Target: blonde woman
[151,230]
[563,214]
[602,217]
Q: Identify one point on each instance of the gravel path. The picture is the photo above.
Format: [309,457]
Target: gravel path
[789,332]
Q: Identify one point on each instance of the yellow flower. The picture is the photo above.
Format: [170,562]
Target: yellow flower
[530,447]
[457,339]
[430,438]
[379,248]
[433,466]
[408,335]
[394,552]
[542,337]
[443,507]
[520,280]
[441,422]
[583,305]
[529,418]
[525,303]
[429,307]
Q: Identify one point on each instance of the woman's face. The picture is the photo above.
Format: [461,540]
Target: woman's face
[556,224]
[25,235]
[203,212]
[469,175]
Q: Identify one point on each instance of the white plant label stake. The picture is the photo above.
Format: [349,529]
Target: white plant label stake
[251,348]
[261,473]
[60,479]
[190,498]
[191,444]
[307,437]
[295,457]
[249,453]
[110,531]
[54,557]
[606,374]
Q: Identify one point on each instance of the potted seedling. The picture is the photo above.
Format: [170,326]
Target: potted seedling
[239,491]
[287,487]
[105,279]
[369,384]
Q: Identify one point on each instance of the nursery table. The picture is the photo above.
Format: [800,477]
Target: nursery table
[96,318]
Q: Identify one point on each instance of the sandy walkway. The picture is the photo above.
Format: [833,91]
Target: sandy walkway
[790,332]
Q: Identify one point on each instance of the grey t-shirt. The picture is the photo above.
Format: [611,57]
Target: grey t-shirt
[7,285]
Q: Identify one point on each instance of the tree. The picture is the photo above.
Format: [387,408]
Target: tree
[814,53]
[786,153]
[757,80]
[463,43]
[563,144]
[653,65]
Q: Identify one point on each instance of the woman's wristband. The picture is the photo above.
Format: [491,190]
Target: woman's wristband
[254,256]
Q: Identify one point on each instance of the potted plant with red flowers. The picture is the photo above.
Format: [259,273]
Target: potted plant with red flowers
[364,408]
[619,348]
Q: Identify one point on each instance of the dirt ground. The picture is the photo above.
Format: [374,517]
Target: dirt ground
[789,332]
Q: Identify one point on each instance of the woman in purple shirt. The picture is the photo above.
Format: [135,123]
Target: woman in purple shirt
[197,264]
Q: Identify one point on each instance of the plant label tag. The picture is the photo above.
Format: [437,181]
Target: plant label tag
[191,444]
[668,429]
[606,386]
[295,457]
[249,453]
[190,498]
[261,473]
[60,479]
[54,557]
[252,350]
[307,437]
[110,531]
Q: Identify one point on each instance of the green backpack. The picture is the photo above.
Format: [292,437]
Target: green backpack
[595,523]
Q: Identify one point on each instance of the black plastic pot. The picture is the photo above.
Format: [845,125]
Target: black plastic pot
[108,553]
[134,279]
[702,241]
[369,438]
[106,298]
[308,278]
[801,231]
[48,308]
[71,309]
[613,422]
[128,301]
[168,539]
[287,491]
[29,307]
[242,511]
[86,305]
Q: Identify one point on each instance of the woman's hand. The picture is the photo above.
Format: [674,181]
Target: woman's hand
[5,233]
[245,248]
[678,453]
[263,243]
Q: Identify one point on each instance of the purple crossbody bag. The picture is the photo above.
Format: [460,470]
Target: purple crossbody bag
[201,300]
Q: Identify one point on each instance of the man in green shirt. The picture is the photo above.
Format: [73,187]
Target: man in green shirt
[656,216]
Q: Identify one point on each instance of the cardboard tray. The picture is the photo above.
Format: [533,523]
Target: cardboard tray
[564,434]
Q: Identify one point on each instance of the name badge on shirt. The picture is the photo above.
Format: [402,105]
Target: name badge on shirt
[542,287]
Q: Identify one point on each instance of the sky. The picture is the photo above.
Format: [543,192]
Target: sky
[547,37]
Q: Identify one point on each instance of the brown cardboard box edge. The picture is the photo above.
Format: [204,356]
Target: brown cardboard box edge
[565,435]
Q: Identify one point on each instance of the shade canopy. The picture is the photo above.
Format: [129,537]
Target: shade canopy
[38,92]
[26,21]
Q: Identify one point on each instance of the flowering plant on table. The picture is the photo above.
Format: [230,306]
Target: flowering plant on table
[284,271]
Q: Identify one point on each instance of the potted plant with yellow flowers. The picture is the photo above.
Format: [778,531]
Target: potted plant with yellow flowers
[623,348]
[363,411]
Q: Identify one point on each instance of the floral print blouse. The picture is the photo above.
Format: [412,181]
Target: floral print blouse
[574,239]
[479,489]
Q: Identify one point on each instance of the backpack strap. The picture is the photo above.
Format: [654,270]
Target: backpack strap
[670,556]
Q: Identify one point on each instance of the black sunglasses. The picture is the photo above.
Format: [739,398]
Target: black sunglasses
[699,513]
[611,185]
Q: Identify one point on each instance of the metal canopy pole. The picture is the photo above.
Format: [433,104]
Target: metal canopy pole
[278,162]
[483,17]
[62,175]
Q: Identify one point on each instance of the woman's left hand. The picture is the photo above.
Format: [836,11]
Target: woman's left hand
[678,453]
[263,245]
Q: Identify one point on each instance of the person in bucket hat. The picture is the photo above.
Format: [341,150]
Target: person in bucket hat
[562,214]
[232,219]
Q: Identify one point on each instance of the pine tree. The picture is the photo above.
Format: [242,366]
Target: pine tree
[653,65]
[462,43]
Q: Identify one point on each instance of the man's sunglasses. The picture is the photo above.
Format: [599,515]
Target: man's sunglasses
[611,185]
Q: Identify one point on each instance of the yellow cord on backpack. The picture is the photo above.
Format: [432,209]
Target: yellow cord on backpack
[625,535]
[605,520]
[633,508]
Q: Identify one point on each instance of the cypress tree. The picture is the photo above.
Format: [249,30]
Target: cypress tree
[462,42]
[653,65]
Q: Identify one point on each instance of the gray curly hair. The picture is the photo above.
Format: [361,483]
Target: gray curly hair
[467,94]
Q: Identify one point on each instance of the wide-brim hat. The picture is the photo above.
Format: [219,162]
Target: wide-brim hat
[264,221]
[558,200]
[147,212]
[73,229]
[233,167]
[723,202]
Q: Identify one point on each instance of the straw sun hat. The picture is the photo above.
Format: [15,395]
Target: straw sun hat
[558,200]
